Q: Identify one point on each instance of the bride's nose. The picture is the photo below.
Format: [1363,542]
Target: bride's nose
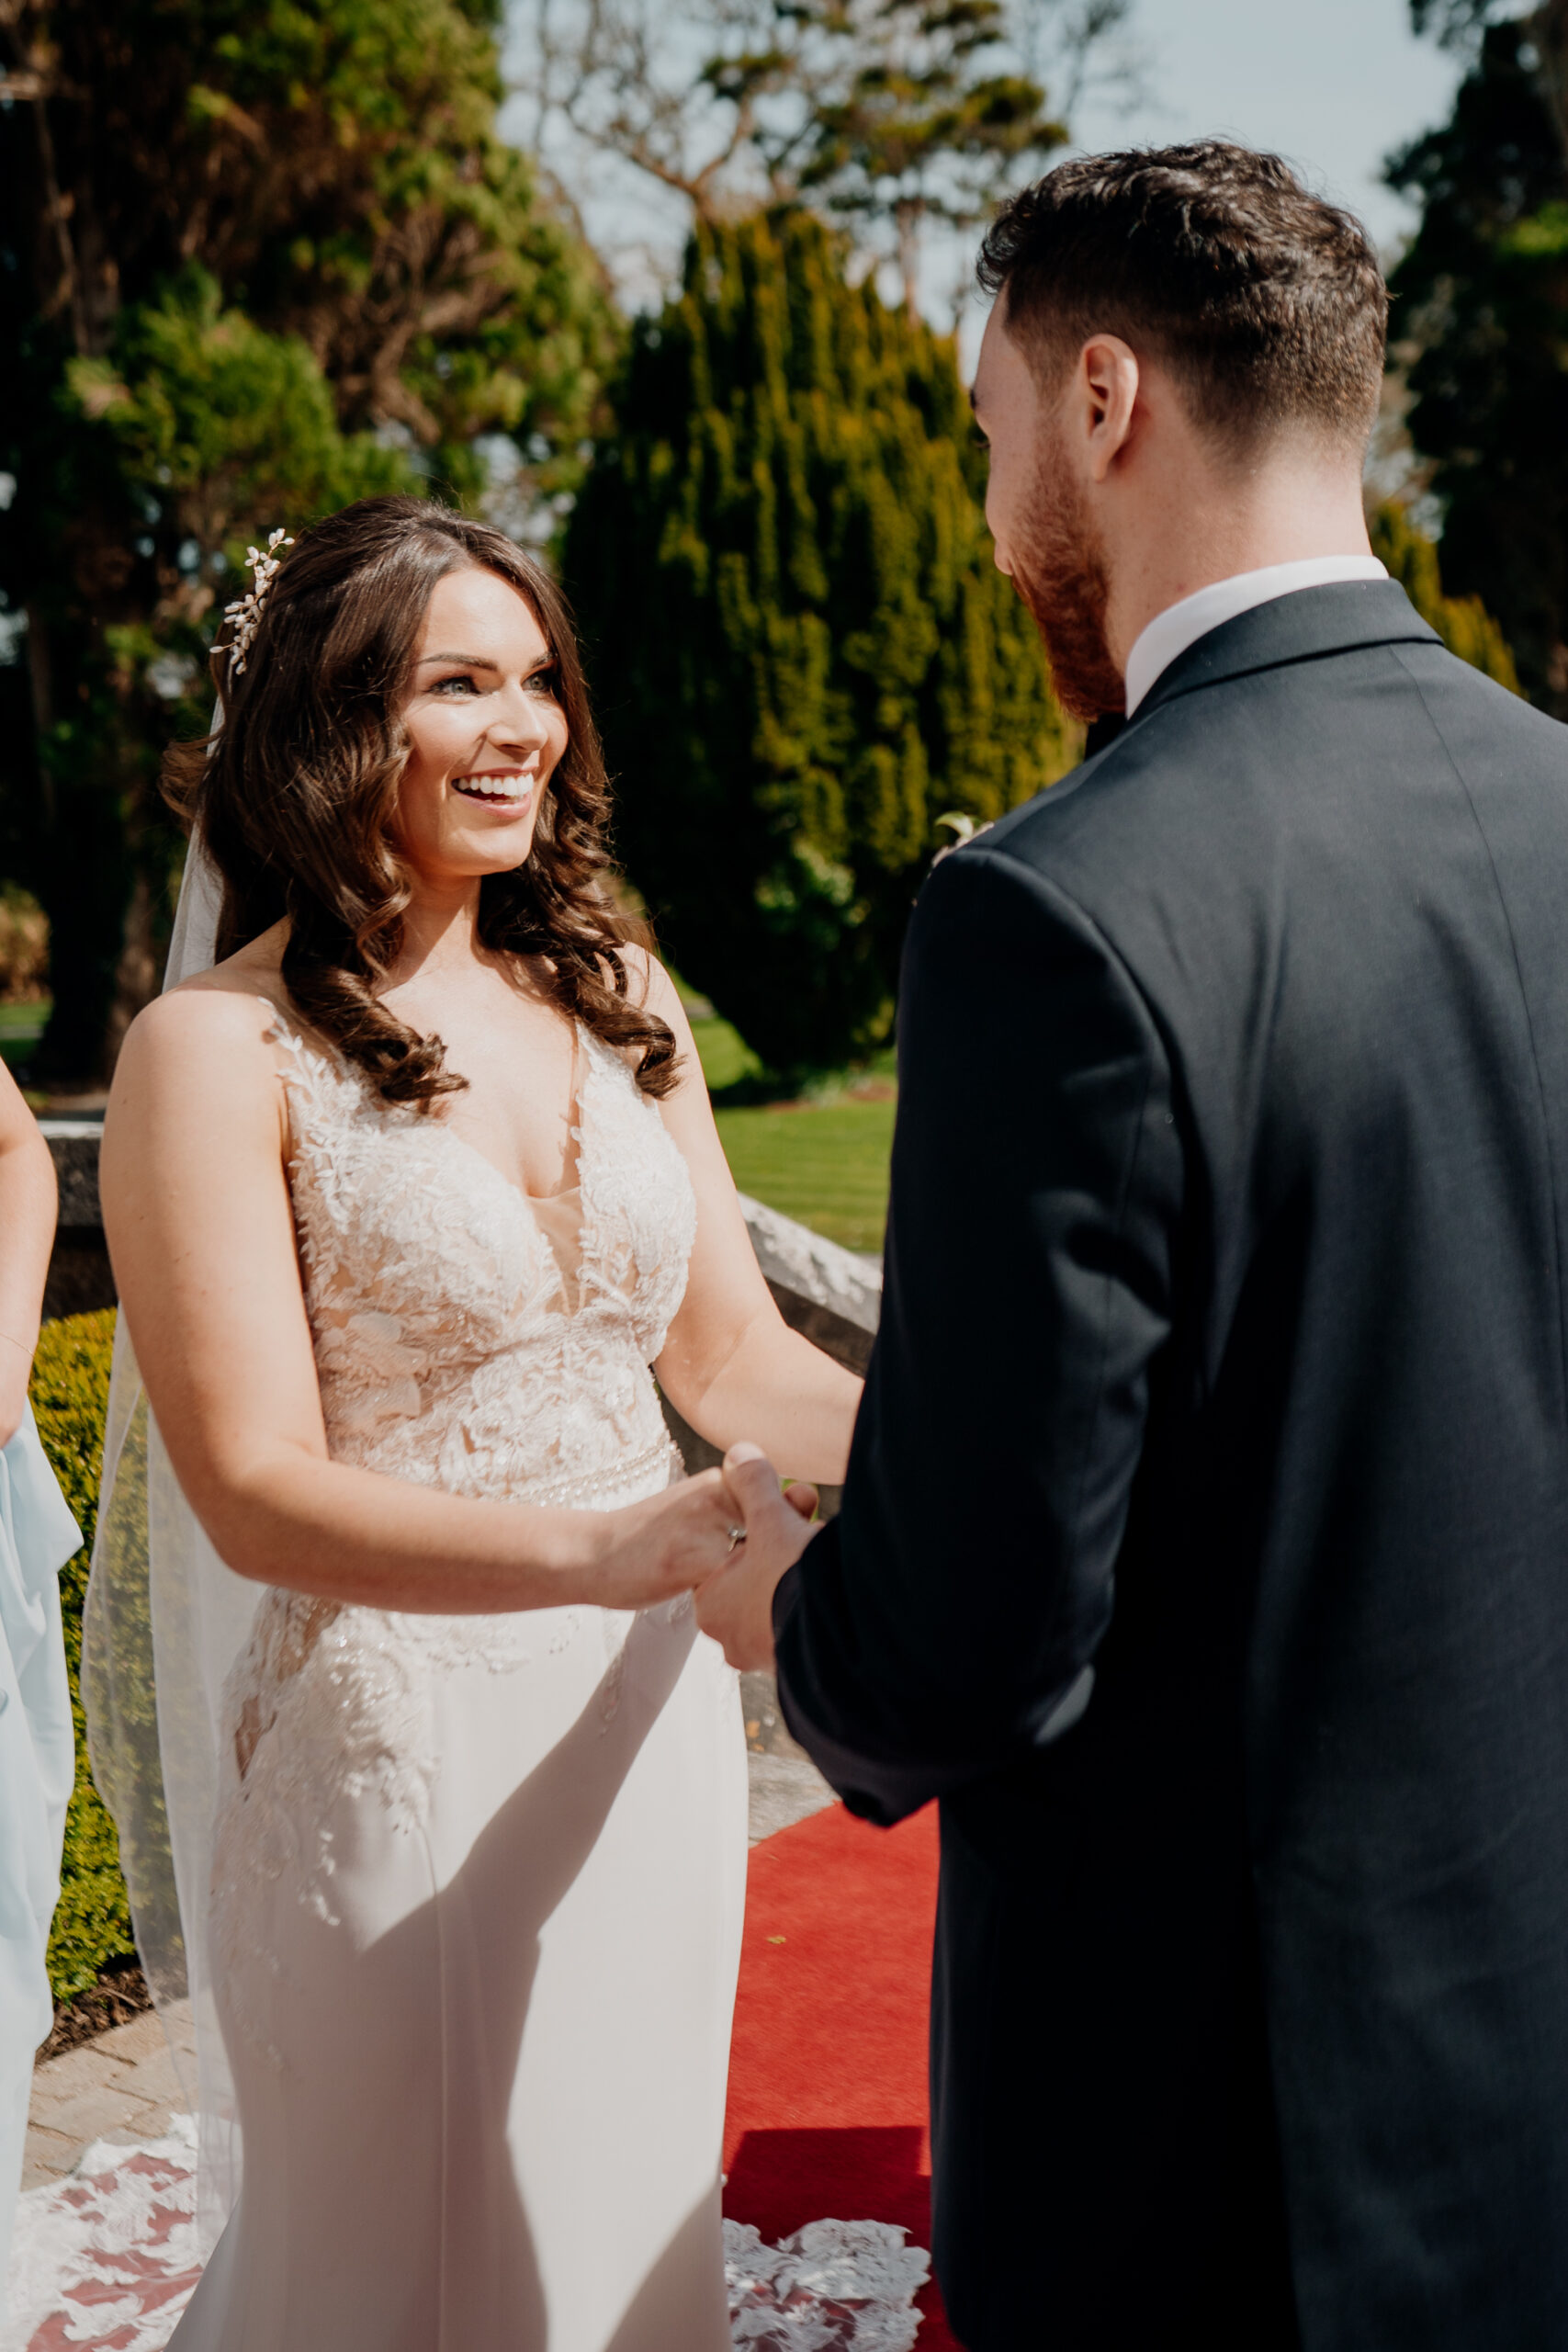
[523,722]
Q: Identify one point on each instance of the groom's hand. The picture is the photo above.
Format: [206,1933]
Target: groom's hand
[737,1606]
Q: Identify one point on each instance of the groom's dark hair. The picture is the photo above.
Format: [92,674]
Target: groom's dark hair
[1266,303]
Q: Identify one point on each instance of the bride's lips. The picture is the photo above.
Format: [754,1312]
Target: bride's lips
[507,788]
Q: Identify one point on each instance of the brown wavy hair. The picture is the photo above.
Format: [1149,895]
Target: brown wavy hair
[294,795]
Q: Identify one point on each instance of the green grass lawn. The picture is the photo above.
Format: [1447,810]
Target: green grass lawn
[21,1026]
[824,1163]
[724,1056]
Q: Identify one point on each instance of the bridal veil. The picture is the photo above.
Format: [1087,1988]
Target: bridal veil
[164,1622]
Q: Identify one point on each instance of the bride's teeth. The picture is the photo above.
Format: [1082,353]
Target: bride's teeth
[488,792]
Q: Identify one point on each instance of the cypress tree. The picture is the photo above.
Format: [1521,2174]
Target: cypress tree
[804,652]
[1463,622]
[1481,299]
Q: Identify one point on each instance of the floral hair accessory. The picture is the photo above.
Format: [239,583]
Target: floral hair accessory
[245,615]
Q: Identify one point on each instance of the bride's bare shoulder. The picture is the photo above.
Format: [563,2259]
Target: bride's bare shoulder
[649,986]
[195,1132]
[212,1027]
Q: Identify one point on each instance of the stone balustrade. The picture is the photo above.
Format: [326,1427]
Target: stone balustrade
[80,1277]
[831,1294]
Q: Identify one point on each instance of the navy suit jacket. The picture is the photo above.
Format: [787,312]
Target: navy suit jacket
[1205,1542]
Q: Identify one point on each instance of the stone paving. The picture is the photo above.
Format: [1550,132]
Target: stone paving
[785,1784]
[124,2086]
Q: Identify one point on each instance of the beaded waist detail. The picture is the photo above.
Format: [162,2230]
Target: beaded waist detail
[583,1492]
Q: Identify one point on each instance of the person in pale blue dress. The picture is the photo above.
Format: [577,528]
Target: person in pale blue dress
[38,1536]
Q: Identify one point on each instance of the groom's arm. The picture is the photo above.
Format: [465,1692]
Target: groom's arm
[948,1615]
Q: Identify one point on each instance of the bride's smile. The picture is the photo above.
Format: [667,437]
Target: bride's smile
[501,787]
[486,731]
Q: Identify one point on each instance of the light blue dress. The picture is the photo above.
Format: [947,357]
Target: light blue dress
[38,1536]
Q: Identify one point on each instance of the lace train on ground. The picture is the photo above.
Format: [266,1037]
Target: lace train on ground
[109,2257]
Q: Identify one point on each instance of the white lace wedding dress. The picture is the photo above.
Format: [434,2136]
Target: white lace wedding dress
[478,1886]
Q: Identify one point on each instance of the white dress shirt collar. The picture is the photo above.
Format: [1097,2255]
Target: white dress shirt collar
[1179,626]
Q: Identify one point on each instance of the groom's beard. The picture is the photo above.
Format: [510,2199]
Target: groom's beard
[1059,571]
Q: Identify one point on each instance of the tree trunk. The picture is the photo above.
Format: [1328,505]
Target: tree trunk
[100,972]
[1549,31]
[97,977]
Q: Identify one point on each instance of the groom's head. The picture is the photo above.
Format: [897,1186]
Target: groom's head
[1186,353]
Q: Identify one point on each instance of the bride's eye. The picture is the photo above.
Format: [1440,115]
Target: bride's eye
[542,683]
[460,678]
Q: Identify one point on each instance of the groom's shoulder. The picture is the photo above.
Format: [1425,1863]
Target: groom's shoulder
[1117,807]
[1227,776]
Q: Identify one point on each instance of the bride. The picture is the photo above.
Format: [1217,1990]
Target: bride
[404,1197]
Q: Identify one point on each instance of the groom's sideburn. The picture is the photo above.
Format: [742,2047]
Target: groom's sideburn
[1204,1546]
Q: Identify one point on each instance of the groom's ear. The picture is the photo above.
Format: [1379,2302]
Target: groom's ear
[1104,395]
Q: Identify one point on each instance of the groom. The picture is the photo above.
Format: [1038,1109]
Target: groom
[1205,1542]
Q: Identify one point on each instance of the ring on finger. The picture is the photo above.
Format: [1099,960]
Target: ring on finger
[737,1535]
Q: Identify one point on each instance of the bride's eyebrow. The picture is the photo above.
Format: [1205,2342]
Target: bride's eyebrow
[469,661]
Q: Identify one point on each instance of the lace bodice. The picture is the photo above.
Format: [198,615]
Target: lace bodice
[450,1347]
[464,1341]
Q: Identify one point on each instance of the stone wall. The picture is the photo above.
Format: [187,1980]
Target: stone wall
[80,1277]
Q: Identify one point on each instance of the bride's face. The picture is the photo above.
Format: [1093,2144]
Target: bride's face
[485,732]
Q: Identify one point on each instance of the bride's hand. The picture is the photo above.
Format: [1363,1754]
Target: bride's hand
[654,1550]
[737,1608]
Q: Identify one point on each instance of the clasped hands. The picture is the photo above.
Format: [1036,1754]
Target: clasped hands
[736,1606]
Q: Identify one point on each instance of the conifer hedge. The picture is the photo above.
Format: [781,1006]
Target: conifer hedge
[802,652]
[1463,622]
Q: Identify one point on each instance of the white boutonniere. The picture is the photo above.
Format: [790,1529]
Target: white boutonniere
[964,829]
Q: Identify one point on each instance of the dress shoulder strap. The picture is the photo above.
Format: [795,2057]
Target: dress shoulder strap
[319,1090]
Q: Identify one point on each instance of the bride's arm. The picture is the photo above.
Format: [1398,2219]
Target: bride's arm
[28,1203]
[731,1365]
[200,1226]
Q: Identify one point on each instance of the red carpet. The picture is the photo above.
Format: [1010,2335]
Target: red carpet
[827,2072]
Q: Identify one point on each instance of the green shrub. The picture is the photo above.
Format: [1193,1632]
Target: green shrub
[1463,622]
[803,651]
[24,945]
[70,1392]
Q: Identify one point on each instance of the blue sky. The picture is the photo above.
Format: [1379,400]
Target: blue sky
[1333,84]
